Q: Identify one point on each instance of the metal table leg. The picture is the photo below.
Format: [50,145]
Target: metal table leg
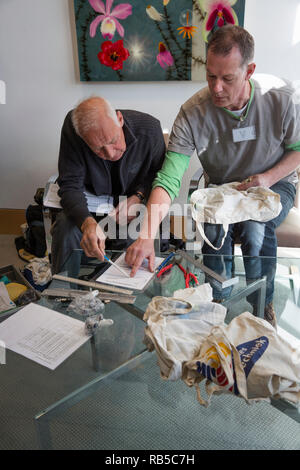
[260,286]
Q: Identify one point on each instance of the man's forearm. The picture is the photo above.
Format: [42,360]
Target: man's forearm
[289,163]
[157,208]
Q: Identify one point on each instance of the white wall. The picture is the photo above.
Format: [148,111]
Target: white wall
[38,63]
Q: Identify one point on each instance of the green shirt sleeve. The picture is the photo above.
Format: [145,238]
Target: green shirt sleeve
[295,146]
[170,175]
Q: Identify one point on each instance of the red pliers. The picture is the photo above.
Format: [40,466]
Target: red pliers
[164,269]
[188,276]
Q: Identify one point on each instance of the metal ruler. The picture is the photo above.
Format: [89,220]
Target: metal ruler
[72,294]
[95,285]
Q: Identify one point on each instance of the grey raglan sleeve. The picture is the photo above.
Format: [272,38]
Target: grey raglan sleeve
[181,138]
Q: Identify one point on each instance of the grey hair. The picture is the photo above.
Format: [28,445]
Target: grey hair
[225,38]
[87,113]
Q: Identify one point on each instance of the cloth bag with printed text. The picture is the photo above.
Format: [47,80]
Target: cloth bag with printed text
[247,358]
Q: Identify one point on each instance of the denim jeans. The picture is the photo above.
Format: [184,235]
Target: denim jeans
[258,239]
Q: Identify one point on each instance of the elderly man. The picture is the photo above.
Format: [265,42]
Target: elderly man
[242,130]
[105,152]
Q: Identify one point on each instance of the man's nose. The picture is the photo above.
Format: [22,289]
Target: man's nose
[109,151]
[218,86]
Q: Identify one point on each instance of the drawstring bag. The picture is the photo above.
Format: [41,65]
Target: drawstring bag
[176,328]
[248,359]
[226,205]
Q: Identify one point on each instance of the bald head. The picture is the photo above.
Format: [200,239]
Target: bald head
[100,126]
[90,114]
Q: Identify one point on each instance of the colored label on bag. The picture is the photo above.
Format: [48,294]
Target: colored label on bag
[211,373]
[212,368]
[251,351]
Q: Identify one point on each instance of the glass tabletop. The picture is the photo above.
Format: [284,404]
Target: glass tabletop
[229,281]
[28,387]
[226,276]
[119,348]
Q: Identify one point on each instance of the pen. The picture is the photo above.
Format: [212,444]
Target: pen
[116,266]
[165,261]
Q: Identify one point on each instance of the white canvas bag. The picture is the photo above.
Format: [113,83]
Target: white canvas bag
[226,205]
[247,358]
[176,328]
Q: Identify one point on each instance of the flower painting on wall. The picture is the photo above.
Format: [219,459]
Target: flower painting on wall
[148,40]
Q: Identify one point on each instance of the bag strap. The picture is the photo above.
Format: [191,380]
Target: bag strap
[225,228]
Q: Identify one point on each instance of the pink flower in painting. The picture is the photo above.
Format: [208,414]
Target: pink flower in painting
[108,18]
[217,10]
[164,57]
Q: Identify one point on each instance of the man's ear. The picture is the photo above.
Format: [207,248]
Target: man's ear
[250,70]
[120,118]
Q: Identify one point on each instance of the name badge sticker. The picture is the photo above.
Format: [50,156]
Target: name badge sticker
[244,133]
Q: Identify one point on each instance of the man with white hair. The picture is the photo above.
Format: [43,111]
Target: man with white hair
[105,152]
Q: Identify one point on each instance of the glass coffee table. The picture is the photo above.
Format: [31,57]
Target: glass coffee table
[118,352]
[109,394]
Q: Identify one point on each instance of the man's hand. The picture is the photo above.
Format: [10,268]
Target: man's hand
[125,212]
[288,163]
[141,249]
[261,179]
[93,239]
[157,208]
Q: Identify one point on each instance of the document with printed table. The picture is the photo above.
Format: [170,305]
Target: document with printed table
[138,282]
[42,335]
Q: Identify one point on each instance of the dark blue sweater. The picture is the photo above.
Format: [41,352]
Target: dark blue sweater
[80,169]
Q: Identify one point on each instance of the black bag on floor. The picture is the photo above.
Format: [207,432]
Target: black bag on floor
[35,237]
